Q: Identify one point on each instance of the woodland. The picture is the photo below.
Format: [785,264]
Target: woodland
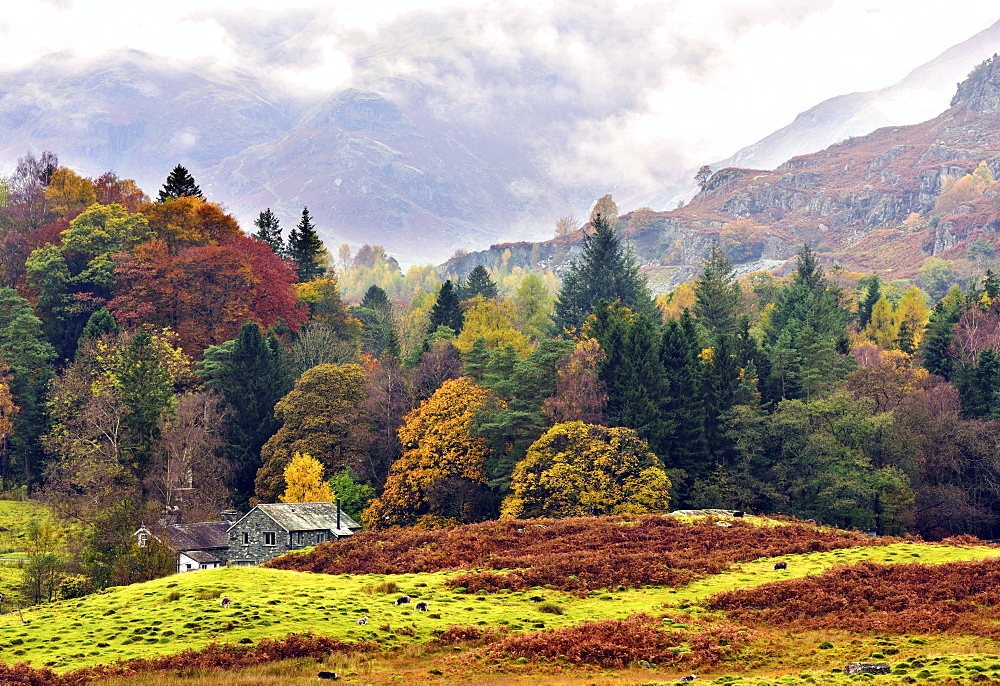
[154,354]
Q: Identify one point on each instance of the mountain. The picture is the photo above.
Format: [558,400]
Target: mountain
[883,202]
[922,94]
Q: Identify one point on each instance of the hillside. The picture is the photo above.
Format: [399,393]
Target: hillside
[871,203]
[708,625]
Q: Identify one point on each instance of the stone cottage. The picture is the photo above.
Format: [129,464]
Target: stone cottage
[273,529]
[199,545]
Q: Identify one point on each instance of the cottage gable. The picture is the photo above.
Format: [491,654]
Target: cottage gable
[273,529]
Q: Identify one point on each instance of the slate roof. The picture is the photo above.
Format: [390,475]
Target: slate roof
[308,517]
[198,536]
[203,556]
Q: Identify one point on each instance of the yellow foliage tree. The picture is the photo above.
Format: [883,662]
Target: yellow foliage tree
[914,313]
[7,411]
[578,469]
[882,326]
[69,194]
[442,469]
[492,321]
[677,300]
[304,481]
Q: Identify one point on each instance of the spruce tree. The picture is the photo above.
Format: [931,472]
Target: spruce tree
[683,403]
[305,249]
[479,283]
[251,376]
[717,294]
[606,271]
[179,183]
[446,311]
[269,231]
[873,295]
[939,334]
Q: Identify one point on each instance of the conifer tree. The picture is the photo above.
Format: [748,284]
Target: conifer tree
[606,271]
[269,231]
[940,331]
[717,294]
[873,295]
[479,283]
[251,377]
[305,249]
[446,311]
[179,183]
[683,403]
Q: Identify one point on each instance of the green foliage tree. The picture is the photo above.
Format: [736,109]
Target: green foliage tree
[606,271]
[578,469]
[478,284]
[251,376]
[717,294]
[354,495]
[305,249]
[319,417]
[269,231]
[179,184]
[446,310]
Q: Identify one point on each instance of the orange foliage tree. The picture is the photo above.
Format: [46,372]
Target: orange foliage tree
[441,473]
[205,293]
[187,221]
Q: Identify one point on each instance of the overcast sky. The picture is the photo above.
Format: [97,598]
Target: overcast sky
[705,77]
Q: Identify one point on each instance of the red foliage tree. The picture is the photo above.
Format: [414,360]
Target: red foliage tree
[206,292]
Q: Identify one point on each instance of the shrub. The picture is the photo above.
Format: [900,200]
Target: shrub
[550,608]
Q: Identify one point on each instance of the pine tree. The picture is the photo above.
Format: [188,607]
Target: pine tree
[100,323]
[479,283]
[683,403]
[179,183]
[606,271]
[305,249]
[269,231]
[940,331]
[717,294]
[446,311]
[251,377]
[873,295]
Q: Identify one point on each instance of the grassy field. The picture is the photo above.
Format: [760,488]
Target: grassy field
[181,612]
[14,516]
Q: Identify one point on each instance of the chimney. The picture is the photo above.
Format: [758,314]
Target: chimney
[229,516]
[338,516]
[171,515]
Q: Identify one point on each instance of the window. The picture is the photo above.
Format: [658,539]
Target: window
[246,538]
[204,566]
[143,539]
[268,538]
[299,538]
[188,565]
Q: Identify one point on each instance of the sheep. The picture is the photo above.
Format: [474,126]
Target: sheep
[421,606]
[225,602]
[690,677]
[363,620]
[780,565]
[328,675]
[402,601]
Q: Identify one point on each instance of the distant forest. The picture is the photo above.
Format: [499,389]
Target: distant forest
[154,354]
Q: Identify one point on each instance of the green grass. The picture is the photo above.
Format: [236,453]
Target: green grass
[14,516]
[143,620]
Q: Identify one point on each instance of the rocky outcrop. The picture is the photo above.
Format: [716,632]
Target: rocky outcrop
[981,91]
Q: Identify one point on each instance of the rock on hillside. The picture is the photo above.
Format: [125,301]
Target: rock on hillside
[869,203]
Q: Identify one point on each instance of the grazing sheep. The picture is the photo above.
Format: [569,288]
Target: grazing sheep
[690,677]
[328,675]
[363,620]
[781,565]
[421,606]
[402,601]
[225,602]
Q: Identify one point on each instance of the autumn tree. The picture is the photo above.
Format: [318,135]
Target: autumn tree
[704,174]
[605,209]
[8,410]
[179,184]
[26,197]
[304,481]
[578,469]
[533,305]
[441,473]
[386,400]
[305,249]
[492,321]
[111,190]
[68,194]
[188,221]
[319,416]
[580,394]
